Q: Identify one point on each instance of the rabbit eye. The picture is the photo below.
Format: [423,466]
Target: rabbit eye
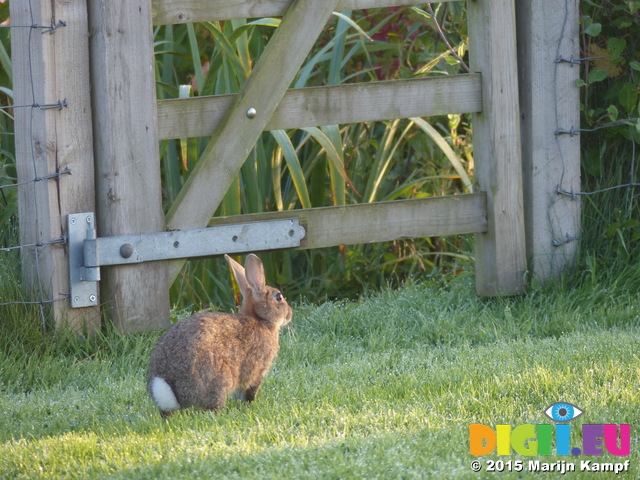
[279,297]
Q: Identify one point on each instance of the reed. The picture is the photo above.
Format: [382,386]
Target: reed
[331,164]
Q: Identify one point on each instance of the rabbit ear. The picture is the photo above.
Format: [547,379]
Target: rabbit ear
[255,275]
[239,274]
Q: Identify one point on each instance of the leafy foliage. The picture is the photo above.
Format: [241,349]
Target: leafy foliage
[610,109]
[8,196]
[610,77]
[339,164]
[333,164]
[309,167]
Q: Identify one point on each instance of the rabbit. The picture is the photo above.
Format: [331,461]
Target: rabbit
[203,359]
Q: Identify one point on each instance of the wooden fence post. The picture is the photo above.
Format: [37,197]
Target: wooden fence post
[128,182]
[549,98]
[500,252]
[49,68]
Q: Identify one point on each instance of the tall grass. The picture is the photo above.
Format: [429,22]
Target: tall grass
[337,164]
[325,165]
[610,153]
[8,196]
[308,167]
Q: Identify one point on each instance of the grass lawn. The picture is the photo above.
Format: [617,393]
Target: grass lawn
[381,388]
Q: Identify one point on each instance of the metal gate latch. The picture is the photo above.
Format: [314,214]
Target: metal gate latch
[87,252]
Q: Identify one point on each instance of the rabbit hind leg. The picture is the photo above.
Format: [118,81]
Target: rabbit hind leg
[216,398]
[251,392]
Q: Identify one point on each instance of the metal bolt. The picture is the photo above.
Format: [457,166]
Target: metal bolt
[252,112]
[73,221]
[92,298]
[76,299]
[234,238]
[176,244]
[291,233]
[88,219]
[126,250]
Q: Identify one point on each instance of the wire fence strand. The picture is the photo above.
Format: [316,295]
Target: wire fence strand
[56,175]
[36,106]
[572,132]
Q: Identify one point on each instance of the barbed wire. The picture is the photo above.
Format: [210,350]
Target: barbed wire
[602,190]
[45,28]
[35,106]
[578,61]
[56,241]
[57,175]
[37,302]
[60,104]
[560,238]
[572,131]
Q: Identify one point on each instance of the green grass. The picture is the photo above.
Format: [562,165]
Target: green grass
[380,388]
[384,387]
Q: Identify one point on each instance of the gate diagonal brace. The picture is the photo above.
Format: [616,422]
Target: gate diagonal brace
[87,253]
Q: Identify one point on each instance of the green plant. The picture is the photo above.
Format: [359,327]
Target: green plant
[327,165]
[374,161]
[8,195]
[610,110]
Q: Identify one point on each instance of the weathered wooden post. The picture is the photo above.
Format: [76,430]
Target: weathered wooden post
[128,182]
[500,252]
[54,145]
[548,43]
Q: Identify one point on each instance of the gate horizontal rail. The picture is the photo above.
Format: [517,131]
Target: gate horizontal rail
[380,221]
[313,106]
[170,12]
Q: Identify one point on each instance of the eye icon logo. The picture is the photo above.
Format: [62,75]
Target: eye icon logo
[563,412]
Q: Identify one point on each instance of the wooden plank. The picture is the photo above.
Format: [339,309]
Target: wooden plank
[550,100]
[380,222]
[47,69]
[166,12]
[231,143]
[305,107]
[500,252]
[128,186]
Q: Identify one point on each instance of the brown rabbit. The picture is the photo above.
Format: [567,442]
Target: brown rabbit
[202,359]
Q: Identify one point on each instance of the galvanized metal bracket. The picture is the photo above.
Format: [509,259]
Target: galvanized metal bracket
[83,281]
[87,253]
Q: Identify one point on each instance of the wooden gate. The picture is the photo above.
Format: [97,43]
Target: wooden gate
[128,123]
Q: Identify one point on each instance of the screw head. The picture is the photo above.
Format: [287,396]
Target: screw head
[92,298]
[126,250]
[88,219]
[73,221]
[252,112]
[76,299]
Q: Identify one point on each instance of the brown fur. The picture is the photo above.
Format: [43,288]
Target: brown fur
[206,357]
